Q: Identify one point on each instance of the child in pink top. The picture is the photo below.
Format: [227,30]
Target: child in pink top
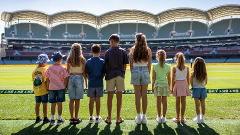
[57,78]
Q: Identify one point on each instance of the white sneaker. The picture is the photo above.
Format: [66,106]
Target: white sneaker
[99,119]
[138,120]
[164,120]
[159,120]
[198,121]
[144,120]
[202,120]
[91,120]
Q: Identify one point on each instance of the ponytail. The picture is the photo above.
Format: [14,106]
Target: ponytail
[180,60]
[161,54]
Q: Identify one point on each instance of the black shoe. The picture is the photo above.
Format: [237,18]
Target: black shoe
[60,122]
[46,120]
[38,119]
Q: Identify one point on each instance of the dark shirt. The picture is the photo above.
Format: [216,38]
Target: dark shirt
[95,69]
[115,58]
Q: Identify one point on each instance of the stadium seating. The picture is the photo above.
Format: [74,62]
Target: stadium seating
[182,27]
[39,31]
[16,62]
[199,29]
[219,28]
[233,60]
[146,29]
[235,26]
[109,30]
[8,31]
[165,30]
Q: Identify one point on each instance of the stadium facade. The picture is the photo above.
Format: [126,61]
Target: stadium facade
[214,33]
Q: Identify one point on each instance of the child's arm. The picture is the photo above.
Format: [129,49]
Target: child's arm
[84,71]
[124,67]
[153,79]
[68,68]
[173,78]
[188,76]
[149,60]
[47,83]
[66,83]
[169,78]
[191,79]
[131,61]
[206,81]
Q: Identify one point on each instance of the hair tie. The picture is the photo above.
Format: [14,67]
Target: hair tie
[73,48]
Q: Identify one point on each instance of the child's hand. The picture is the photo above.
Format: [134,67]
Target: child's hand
[172,91]
[152,89]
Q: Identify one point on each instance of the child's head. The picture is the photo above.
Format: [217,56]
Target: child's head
[58,57]
[96,49]
[42,60]
[161,56]
[114,40]
[140,49]
[200,70]
[180,59]
[75,55]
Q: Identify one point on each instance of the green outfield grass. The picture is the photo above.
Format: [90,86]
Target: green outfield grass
[219,77]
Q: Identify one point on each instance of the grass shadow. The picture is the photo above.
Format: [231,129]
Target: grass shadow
[137,130]
[30,129]
[86,130]
[117,130]
[183,129]
[106,130]
[206,130]
[165,129]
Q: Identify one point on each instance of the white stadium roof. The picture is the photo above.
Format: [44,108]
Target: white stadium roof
[157,20]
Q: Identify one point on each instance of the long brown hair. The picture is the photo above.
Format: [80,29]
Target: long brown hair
[161,54]
[200,70]
[75,57]
[140,50]
[180,60]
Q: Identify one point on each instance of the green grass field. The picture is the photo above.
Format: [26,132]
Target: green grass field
[222,109]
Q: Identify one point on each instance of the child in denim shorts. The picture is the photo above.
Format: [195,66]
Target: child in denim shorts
[39,87]
[198,81]
[76,69]
[57,77]
[95,72]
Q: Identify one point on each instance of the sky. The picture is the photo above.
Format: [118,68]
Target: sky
[99,7]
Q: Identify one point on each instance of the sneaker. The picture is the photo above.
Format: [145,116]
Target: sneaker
[60,122]
[159,120]
[198,121]
[138,120]
[46,120]
[99,119]
[144,120]
[52,122]
[202,119]
[38,119]
[164,120]
[91,120]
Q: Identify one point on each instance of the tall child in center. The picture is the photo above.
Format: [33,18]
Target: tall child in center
[115,60]
[180,86]
[95,70]
[76,69]
[161,82]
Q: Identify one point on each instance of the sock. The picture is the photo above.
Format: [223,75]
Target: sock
[138,115]
[144,115]
[53,117]
[91,116]
[59,117]
[198,117]
[202,116]
[97,116]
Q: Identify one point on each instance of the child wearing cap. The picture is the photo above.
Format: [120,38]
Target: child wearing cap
[39,87]
[57,78]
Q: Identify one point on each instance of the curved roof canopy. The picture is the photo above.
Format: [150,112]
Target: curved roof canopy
[123,15]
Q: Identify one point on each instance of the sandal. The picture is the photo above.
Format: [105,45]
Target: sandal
[121,120]
[176,120]
[107,121]
[71,121]
[183,120]
[77,121]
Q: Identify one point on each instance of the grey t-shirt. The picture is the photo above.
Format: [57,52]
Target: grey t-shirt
[115,58]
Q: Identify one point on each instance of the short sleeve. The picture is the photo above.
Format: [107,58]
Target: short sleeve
[106,59]
[65,73]
[32,76]
[125,59]
[46,74]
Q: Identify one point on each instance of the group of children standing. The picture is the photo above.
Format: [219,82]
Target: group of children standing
[50,84]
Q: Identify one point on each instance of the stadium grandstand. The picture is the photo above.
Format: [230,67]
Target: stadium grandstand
[213,34]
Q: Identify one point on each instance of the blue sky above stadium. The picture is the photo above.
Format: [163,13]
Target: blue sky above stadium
[99,7]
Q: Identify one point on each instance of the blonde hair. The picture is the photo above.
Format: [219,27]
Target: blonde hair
[180,60]
[200,70]
[75,58]
[161,54]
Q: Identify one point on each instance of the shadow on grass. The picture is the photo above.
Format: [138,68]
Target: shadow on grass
[138,130]
[165,129]
[30,129]
[106,130]
[183,129]
[205,129]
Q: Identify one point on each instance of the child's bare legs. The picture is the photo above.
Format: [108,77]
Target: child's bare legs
[77,104]
[98,105]
[164,101]
[138,94]
[53,107]
[183,102]
[197,104]
[91,104]
[159,105]
[45,109]
[144,98]
[203,106]
[178,106]
[71,107]
[109,104]
[37,109]
[119,105]
[59,108]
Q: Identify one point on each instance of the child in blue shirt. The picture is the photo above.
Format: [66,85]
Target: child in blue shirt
[95,70]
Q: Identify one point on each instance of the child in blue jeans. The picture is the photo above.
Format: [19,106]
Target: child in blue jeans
[198,81]
[39,87]
[57,77]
